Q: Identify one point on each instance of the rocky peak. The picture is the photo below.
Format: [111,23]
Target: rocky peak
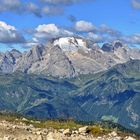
[111,47]
[108,47]
[15,53]
[117,44]
[36,52]
[8,60]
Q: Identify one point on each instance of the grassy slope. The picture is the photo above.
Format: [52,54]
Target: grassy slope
[116,90]
[87,97]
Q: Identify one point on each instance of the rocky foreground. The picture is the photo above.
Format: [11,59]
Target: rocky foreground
[23,130]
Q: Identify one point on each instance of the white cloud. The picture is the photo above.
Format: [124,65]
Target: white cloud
[49,31]
[32,8]
[136,4]
[9,34]
[6,26]
[48,28]
[38,8]
[84,26]
[132,39]
[9,5]
[104,29]
[95,37]
[26,7]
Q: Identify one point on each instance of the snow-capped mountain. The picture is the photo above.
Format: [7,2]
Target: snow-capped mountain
[67,57]
[71,44]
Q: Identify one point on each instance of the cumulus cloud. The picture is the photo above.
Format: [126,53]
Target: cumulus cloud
[39,9]
[48,31]
[95,37]
[84,26]
[6,26]
[20,7]
[136,4]
[132,39]
[9,34]
[32,8]
[9,5]
[107,30]
[98,34]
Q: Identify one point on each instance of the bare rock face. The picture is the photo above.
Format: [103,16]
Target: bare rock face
[117,44]
[15,53]
[28,58]
[8,60]
[83,129]
[108,47]
[58,64]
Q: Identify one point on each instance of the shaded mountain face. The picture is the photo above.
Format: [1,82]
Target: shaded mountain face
[111,47]
[67,57]
[113,95]
[39,96]
[110,95]
[107,47]
[8,60]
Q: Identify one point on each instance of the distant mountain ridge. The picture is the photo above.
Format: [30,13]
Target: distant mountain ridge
[67,57]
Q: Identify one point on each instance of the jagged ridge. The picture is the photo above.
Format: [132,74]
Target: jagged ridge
[67,57]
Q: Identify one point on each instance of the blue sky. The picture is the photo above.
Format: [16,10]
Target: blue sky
[117,16]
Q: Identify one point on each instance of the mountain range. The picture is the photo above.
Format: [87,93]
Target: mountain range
[73,78]
[67,57]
